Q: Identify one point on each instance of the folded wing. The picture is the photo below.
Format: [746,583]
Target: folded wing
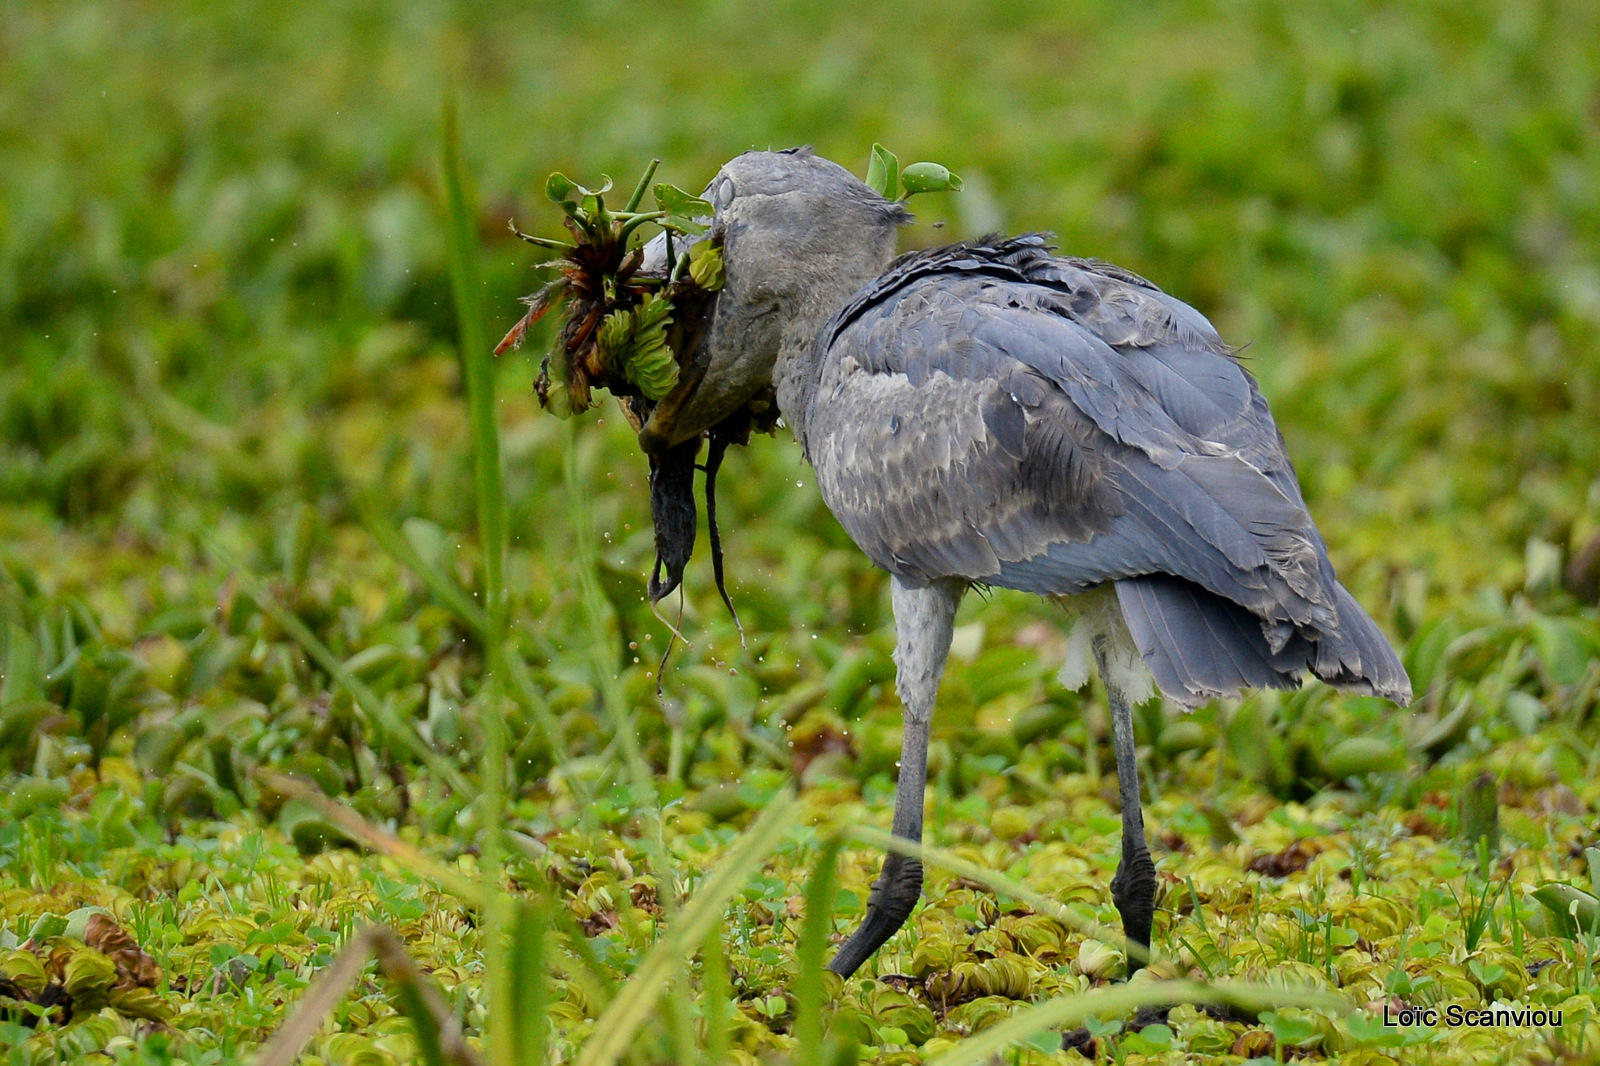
[993,412]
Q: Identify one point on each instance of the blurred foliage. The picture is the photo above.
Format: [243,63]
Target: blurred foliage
[225,327]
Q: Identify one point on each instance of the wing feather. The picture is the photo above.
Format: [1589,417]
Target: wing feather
[995,413]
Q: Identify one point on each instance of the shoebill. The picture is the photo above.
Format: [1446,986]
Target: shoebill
[990,413]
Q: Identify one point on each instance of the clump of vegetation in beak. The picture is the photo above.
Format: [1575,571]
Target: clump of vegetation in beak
[625,330]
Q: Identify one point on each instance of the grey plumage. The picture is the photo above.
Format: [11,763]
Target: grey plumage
[994,412]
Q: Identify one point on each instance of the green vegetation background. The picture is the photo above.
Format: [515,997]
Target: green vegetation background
[226,331]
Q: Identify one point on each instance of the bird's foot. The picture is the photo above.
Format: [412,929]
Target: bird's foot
[894,895]
[1133,890]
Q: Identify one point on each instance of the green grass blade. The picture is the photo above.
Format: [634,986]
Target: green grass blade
[489,489]
[680,1013]
[716,996]
[530,987]
[1121,999]
[813,947]
[615,1030]
[418,999]
[477,364]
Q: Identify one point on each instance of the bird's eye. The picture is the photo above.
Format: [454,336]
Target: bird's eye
[722,193]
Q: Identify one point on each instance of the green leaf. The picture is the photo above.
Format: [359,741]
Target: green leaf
[558,401]
[929,177]
[883,172]
[614,332]
[1355,756]
[809,990]
[706,266]
[529,993]
[559,188]
[654,370]
[1573,909]
[47,925]
[651,319]
[674,201]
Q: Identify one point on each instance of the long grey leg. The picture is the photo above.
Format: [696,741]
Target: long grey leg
[923,621]
[1133,889]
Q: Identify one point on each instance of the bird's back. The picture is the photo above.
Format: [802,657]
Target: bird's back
[993,412]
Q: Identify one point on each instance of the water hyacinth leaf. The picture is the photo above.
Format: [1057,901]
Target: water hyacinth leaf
[559,188]
[77,926]
[996,882]
[381,712]
[46,926]
[929,177]
[24,970]
[1574,911]
[883,172]
[87,977]
[1355,756]
[635,342]
[679,204]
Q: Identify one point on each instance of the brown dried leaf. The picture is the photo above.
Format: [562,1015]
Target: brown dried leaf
[135,969]
[1291,860]
[1255,1044]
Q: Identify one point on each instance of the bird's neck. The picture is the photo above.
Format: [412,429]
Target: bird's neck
[798,365]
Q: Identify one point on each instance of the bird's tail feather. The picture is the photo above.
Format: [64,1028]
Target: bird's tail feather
[1361,660]
[1199,645]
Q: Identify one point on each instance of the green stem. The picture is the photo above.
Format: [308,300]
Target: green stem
[541,242]
[638,220]
[644,183]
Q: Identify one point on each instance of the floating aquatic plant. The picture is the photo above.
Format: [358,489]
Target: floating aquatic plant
[618,333]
